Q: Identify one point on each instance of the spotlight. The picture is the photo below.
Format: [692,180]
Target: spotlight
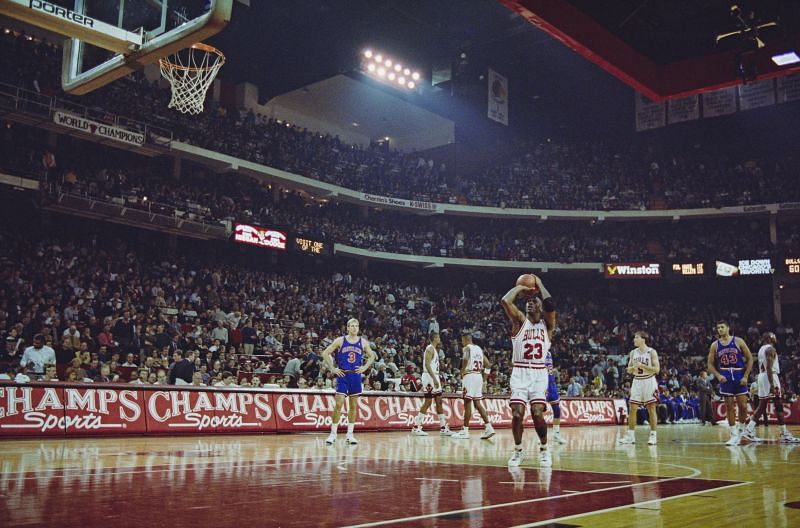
[387,69]
[783,59]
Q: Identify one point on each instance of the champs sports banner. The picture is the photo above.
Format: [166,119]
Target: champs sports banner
[102,410]
[791,411]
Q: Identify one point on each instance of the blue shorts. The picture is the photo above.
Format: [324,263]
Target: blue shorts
[349,384]
[732,386]
[552,390]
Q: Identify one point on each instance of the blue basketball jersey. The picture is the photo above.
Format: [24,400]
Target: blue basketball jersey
[348,357]
[729,356]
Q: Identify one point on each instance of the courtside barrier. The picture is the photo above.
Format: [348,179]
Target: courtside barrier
[791,411]
[61,409]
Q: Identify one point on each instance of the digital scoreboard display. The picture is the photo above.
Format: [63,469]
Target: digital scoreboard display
[792,265]
[260,236]
[310,246]
[689,269]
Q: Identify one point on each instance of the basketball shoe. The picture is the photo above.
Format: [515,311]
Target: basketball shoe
[516,458]
[488,432]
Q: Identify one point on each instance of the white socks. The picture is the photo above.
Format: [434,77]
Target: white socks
[335,426]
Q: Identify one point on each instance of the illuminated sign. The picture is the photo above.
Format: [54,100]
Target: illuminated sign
[636,270]
[689,269]
[792,265]
[756,267]
[745,267]
[726,270]
[311,247]
[260,236]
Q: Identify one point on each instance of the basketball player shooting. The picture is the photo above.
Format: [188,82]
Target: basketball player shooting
[532,333]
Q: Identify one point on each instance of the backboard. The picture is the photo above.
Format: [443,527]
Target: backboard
[108,39]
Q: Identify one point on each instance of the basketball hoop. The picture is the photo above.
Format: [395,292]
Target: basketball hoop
[190,73]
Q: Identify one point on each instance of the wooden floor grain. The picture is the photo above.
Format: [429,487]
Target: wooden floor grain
[689,479]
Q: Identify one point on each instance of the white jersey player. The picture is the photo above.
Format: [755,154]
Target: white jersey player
[474,367]
[432,388]
[769,388]
[643,365]
[531,337]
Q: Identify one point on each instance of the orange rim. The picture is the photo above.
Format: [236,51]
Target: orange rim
[166,63]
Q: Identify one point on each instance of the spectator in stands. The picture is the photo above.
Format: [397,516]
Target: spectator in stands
[141,377]
[293,370]
[161,377]
[249,337]
[130,361]
[93,370]
[574,389]
[220,333]
[76,366]
[35,357]
[13,345]
[182,370]
[71,338]
[197,380]
[227,380]
[50,373]
[125,331]
[105,375]
[8,372]
[105,342]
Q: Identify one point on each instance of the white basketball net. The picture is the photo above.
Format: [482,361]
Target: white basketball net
[190,73]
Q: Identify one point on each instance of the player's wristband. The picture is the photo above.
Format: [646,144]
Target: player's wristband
[487,371]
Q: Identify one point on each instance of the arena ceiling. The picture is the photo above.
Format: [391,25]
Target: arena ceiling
[662,48]
[669,48]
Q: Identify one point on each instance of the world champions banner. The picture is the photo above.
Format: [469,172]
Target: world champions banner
[42,409]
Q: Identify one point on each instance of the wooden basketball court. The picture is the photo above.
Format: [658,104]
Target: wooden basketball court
[395,479]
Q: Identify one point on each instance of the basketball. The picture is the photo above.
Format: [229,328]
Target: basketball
[529,280]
